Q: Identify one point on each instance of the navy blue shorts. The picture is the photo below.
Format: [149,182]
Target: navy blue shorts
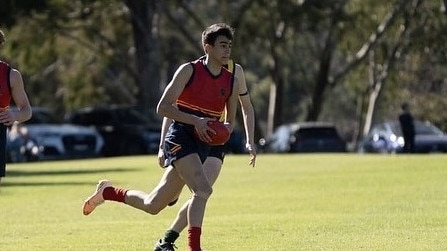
[218,152]
[180,142]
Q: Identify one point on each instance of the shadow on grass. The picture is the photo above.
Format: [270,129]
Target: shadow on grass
[15,173]
[46,184]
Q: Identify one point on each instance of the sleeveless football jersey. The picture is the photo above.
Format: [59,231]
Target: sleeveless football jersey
[205,94]
[5,88]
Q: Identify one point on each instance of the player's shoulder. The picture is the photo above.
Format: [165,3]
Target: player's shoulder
[15,78]
[185,68]
[238,68]
[14,73]
[182,74]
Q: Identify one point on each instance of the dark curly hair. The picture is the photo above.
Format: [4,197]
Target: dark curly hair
[211,33]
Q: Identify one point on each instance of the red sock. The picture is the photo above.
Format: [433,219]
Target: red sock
[194,238]
[115,194]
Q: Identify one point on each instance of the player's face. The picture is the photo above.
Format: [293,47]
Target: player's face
[221,51]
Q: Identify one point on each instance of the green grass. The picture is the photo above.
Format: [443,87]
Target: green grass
[288,202]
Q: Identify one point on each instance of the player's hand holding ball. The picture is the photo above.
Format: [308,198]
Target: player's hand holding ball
[217,133]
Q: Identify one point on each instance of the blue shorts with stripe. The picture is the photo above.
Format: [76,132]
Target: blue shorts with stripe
[180,142]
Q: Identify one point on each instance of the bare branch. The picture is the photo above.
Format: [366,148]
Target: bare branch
[372,41]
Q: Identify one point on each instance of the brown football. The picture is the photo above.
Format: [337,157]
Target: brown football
[222,133]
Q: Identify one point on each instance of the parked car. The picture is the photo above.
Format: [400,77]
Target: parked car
[44,137]
[387,138]
[305,137]
[125,130]
[236,143]
[20,147]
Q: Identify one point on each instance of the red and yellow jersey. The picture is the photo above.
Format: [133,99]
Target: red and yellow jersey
[5,87]
[231,66]
[205,94]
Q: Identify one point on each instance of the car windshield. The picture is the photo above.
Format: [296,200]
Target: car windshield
[131,116]
[422,128]
[104,117]
[316,132]
[41,116]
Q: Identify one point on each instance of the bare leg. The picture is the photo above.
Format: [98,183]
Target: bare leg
[212,167]
[191,171]
[169,187]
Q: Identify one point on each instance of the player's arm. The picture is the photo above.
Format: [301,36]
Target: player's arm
[167,105]
[248,114]
[20,99]
[231,105]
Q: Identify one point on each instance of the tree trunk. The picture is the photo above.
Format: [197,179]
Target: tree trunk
[322,81]
[276,87]
[145,29]
[271,109]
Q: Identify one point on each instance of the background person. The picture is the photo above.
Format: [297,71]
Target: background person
[407,125]
[11,88]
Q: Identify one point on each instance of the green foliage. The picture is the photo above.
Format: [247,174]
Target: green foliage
[80,53]
[78,59]
[420,75]
[299,202]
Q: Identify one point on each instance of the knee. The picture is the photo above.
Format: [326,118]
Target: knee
[204,192]
[153,208]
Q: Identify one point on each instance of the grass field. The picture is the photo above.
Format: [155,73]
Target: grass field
[288,202]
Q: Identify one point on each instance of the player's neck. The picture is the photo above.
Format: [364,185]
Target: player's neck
[213,66]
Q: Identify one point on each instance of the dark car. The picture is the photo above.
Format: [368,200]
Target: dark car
[45,137]
[125,130]
[387,138]
[236,143]
[305,137]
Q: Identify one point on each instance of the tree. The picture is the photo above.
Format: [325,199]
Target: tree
[304,60]
[145,25]
[390,53]
[78,58]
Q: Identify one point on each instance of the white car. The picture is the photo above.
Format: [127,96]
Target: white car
[387,138]
[53,140]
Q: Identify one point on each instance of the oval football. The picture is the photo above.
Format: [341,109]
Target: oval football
[222,133]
